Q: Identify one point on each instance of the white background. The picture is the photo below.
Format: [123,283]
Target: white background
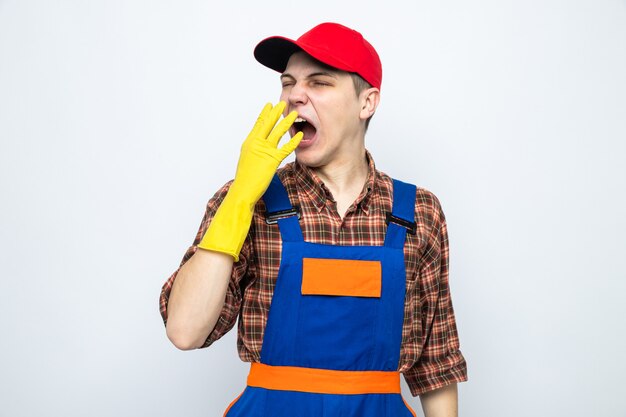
[119,119]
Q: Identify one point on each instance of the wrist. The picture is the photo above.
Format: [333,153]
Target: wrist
[229,227]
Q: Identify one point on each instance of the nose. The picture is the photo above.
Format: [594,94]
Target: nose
[297,95]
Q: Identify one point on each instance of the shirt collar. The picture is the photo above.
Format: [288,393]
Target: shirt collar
[319,193]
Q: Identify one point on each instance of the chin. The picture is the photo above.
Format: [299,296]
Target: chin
[308,158]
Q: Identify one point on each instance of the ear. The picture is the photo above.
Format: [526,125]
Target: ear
[369,102]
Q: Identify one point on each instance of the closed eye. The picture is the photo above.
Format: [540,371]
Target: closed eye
[287,80]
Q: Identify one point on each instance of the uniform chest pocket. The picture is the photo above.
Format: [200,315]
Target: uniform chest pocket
[341,277]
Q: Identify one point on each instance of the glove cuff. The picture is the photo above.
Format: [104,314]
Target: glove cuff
[229,227]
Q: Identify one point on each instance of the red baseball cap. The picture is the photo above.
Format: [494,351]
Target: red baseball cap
[330,43]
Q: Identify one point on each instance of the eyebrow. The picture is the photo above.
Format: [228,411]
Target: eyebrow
[311,75]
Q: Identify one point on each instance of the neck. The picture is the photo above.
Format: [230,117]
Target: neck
[344,176]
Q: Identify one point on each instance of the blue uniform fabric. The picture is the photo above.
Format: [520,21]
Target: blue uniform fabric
[332,332]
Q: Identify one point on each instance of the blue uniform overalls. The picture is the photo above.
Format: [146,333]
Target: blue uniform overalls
[326,352]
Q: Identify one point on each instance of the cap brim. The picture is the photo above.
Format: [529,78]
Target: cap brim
[274,52]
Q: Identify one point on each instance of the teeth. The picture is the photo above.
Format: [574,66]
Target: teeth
[299,120]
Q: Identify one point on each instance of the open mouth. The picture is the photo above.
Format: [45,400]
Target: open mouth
[302,125]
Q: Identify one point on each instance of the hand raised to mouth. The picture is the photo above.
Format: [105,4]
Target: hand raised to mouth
[258,161]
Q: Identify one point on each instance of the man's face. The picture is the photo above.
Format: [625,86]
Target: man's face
[328,108]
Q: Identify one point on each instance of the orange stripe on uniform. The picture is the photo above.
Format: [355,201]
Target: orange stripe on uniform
[341,277]
[409,407]
[233,403]
[323,381]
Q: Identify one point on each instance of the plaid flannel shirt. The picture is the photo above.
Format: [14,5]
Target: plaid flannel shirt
[429,357]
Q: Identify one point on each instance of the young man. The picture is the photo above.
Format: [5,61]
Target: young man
[338,274]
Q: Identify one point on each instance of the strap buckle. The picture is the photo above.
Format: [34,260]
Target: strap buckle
[275,216]
[410,226]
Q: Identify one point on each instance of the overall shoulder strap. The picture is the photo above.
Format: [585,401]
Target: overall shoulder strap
[278,209]
[402,217]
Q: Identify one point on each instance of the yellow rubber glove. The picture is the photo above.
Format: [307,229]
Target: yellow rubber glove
[258,161]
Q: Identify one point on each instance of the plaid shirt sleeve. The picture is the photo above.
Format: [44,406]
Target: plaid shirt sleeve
[232,304]
[441,362]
